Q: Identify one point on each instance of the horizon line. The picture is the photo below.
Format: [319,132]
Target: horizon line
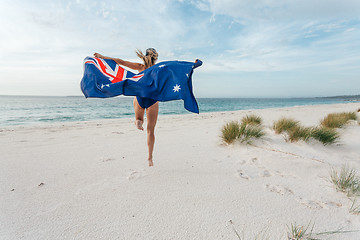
[333,96]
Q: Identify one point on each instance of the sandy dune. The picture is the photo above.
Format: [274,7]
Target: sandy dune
[90,180]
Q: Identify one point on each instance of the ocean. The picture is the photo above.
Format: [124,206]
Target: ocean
[30,110]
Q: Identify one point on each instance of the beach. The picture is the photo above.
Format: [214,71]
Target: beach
[91,180]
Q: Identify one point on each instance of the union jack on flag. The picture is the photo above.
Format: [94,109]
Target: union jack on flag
[114,73]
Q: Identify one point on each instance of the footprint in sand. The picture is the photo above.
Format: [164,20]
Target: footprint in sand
[281,174]
[118,132]
[266,173]
[254,161]
[334,204]
[107,159]
[217,160]
[314,204]
[279,189]
[242,162]
[133,175]
[241,174]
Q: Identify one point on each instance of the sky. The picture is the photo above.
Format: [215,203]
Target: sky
[249,48]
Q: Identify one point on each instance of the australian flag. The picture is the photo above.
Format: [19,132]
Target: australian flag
[164,81]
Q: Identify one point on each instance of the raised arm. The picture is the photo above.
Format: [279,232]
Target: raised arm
[135,66]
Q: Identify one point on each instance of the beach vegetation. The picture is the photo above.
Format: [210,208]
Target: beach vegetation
[284,125]
[295,132]
[248,132]
[294,232]
[346,180]
[230,132]
[355,208]
[298,232]
[262,235]
[242,132]
[337,120]
[325,135]
[300,133]
[251,120]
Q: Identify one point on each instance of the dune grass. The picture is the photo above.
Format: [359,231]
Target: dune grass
[295,132]
[300,133]
[251,120]
[262,235]
[300,232]
[294,232]
[325,135]
[249,129]
[355,208]
[249,132]
[346,181]
[230,132]
[337,120]
[284,125]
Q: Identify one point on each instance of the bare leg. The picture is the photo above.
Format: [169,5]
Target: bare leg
[151,116]
[139,115]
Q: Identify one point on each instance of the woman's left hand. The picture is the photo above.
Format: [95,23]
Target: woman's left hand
[98,55]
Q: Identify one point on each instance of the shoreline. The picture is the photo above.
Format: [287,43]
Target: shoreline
[90,180]
[48,124]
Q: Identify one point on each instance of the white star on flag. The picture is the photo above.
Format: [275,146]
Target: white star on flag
[176,88]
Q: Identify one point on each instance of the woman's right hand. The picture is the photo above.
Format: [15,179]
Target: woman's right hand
[98,55]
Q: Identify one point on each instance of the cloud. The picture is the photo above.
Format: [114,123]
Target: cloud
[287,35]
[231,36]
[278,10]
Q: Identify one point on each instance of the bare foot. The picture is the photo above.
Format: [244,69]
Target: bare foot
[139,124]
[150,162]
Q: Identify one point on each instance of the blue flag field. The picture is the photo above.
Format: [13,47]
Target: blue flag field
[165,81]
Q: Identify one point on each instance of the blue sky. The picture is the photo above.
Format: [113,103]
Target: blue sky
[265,48]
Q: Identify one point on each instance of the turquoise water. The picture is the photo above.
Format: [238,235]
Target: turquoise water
[24,110]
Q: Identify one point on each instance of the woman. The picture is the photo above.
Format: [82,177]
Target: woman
[149,59]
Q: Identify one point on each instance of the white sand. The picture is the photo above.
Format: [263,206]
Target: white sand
[97,185]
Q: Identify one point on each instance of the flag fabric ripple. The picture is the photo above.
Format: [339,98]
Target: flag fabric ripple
[165,81]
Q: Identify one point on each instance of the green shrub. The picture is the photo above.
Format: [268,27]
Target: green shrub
[251,119]
[300,133]
[248,132]
[337,120]
[346,181]
[230,132]
[325,135]
[300,232]
[243,132]
[284,125]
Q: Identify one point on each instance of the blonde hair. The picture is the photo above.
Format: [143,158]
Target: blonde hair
[149,58]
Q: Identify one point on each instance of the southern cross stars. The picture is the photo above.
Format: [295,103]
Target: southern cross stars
[106,85]
[176,88]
